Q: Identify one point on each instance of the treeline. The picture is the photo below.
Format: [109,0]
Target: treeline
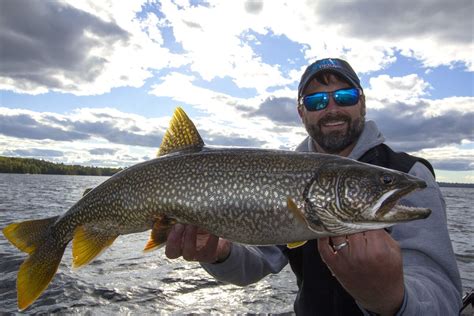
[456,185]
[35,166]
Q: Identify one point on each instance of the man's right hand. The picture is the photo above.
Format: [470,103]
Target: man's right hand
[196,244]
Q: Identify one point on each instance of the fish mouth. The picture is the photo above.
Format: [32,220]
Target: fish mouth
[389,210]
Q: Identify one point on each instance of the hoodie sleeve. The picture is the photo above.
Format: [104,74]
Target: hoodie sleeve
[248,264]
[431,275]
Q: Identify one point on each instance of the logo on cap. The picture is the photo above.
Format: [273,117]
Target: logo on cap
[326,63]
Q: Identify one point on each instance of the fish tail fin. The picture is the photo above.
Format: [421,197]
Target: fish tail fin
[27,235]
[37,271]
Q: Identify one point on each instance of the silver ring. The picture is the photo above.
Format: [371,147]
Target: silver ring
[340,246]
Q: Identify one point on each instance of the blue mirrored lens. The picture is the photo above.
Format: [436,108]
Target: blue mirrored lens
[320,100]
[317,101]
[346,97]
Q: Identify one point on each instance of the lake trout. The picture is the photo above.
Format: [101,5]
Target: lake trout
[249,196]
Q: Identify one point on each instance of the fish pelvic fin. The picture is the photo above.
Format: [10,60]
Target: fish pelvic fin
[88,243]
[297,244]
[28,235]
[159,233]
[181,135]
[37,271]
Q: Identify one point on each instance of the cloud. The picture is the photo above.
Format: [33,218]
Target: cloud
[80,47]
[102,151]
[84,124]
[401,19]
[27,126]
[57,42]
[254,6]
[34,152]
[278,110]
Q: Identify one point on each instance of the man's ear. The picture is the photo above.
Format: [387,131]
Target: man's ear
[300,111]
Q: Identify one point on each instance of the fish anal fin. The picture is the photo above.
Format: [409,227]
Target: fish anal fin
[180,135]
[297,244]
[88,243]
[36,272]
[27,235]
[159,233]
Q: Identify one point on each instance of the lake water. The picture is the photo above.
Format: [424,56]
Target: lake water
[124,280]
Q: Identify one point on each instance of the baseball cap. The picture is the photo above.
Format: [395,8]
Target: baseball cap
[334,65]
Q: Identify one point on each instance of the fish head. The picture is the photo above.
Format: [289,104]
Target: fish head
[355,196]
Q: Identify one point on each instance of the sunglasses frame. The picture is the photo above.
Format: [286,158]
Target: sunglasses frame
[330,94]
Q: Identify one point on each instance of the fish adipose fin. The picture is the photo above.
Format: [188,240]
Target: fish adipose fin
[293,207]
[37,271]
[88,243]
[181,135]
[87,191]
[159,233]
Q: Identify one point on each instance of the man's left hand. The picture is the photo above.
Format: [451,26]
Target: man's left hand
[370,268]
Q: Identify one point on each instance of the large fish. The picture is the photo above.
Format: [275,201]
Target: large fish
[250,196]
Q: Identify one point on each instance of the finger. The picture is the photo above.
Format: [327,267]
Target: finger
[327,254]
[339,244]
[208,253]
[189,243]
[173,243]
[358,245]
[325,249]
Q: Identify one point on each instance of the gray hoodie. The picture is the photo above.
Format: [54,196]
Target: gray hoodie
[431,276]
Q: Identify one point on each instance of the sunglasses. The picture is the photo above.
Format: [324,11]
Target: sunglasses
[319,101]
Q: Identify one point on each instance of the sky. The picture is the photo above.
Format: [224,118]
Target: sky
[96,82]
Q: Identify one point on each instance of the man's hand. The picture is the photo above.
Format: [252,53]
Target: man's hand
[369,268]
[195,244]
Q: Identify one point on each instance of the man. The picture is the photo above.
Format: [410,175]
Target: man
[409,269]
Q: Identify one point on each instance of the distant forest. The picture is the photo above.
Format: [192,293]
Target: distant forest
[35,166]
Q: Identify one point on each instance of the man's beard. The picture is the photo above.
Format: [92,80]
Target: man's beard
[336,141]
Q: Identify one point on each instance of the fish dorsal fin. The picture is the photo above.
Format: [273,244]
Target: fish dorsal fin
[181,135]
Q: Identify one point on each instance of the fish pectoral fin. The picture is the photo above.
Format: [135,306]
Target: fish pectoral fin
[180,135]
[293,245]
[88,243]
[27,235]
[293,207]
[159,233]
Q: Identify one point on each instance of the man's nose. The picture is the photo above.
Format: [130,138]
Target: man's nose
[332,105]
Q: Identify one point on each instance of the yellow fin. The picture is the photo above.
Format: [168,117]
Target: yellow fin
[181,135]
[27,235]
[297,244]
[159,233]
[36,272]
[295,210]
[88,244]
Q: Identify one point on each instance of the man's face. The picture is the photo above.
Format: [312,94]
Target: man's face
[335,129]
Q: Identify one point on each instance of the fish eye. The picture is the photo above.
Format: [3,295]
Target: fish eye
[387,179]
